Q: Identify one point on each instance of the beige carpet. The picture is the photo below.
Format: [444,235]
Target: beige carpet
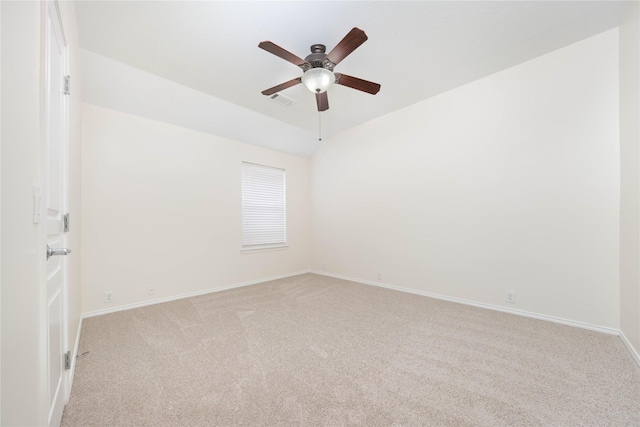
[312,350]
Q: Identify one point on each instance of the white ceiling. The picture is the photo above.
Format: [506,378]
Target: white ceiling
[416,49]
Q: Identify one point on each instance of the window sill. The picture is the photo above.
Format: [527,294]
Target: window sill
[264,249]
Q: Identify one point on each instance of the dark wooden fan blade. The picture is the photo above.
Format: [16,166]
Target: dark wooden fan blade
[358,84]
[282,86]
[282,53]
[323,101]
[348,44]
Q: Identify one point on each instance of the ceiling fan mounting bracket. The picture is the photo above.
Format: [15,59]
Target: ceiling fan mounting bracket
[318,48]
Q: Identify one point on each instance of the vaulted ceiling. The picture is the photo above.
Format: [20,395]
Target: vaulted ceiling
[415,50]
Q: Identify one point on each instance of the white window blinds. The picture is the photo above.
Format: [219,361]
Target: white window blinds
[263,207]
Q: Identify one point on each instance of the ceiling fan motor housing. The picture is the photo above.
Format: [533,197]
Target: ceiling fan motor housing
[318,57]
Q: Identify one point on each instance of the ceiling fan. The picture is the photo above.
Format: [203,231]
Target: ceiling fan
[318,68]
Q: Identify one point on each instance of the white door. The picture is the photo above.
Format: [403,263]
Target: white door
[54,203]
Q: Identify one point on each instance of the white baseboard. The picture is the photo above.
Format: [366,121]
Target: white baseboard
[559,320]
[553,319]
[611,331]
[74,357]
[630,347]
[187,295]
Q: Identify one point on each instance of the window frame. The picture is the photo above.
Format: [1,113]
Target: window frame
[254,202]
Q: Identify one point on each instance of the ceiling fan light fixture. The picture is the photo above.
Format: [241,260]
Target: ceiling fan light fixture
[318,80]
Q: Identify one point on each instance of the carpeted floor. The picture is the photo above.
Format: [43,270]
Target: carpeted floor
[313,350]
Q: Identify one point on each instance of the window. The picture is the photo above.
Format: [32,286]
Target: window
[263,207]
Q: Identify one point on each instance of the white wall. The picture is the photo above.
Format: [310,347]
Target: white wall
[22,296]
[630,176]
[161,206]
[509,182]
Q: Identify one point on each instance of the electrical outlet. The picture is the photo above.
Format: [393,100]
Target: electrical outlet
[511,297]
[108,296]
[151,290]
[379,276]
[324,266]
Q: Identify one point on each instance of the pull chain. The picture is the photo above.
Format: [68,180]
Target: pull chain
[319,126]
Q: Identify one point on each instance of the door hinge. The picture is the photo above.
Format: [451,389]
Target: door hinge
[67,360]
[67,85]
[65,223]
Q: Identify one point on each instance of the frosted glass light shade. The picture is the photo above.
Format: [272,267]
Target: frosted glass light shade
[318,80]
